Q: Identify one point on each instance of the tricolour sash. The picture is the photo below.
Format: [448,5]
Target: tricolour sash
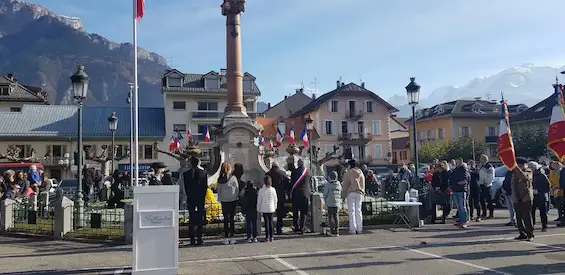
[300,179]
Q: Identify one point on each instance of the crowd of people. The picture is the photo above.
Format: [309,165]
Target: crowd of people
[22,187]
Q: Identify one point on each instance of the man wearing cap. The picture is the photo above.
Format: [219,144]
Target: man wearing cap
[157,177]
[195,186]
[522,197]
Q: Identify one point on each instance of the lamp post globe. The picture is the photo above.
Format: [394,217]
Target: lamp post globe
[309,124]
[79,82]
[413,95]
[113,122]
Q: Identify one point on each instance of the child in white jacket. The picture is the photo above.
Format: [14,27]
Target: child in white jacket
[267,205]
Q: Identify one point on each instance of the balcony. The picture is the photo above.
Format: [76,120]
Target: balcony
[354,138]
[213,115]
[54,161]
[353,115]
[491,139]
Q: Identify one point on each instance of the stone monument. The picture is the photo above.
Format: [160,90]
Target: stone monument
[239,130]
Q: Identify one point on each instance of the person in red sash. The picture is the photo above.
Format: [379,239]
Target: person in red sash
[300,194]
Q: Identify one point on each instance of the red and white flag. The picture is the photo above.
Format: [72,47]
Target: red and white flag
[556,135]
[304,136]
[189,132]
[207,135]
[280,137]
[291,134]
[505,143]
[270,144]
[140,9]
[174,145]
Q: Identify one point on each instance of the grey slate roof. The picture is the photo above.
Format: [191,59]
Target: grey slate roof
[195,83]
[464,108]
[542,110]
[20,92]
[288,106]
[61,121]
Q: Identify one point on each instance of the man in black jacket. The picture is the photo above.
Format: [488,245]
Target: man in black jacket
[300,193]
[280,183]
[195,186]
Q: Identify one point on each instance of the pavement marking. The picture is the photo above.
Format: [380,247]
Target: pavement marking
[289,265]
[286,255]
[458,261]
[544,245]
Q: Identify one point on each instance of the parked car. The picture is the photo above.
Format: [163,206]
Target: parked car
[69,187]
[496,189]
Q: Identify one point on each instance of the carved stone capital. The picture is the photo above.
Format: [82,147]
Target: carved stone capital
[233,7]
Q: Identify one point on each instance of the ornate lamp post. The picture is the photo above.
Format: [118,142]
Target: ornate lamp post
[309,127]
[413,92]
[79,82]
[113,125]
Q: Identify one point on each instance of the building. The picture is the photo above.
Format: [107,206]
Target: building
[198,101]
[51,131]
[14,95]
[289,105]
[355,119]
[538,116]
[478,119]
[400,138]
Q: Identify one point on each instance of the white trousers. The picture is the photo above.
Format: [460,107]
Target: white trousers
[355,217]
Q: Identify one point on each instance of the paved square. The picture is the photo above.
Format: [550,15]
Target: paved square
[484,248]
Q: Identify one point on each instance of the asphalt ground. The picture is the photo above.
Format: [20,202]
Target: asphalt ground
[483,248]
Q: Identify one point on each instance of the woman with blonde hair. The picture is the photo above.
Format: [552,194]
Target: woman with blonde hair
[228,195]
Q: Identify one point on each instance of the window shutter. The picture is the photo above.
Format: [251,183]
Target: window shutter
[376,127]
[378,153]
[333,130]
[329,106]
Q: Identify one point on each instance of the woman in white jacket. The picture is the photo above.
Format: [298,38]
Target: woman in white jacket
[267,205]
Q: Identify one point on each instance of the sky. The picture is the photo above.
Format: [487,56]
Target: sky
[314,43]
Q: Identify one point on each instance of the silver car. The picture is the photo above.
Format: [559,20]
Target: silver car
[496,189]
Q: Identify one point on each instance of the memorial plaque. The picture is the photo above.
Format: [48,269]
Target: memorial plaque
[156,219]
[239,155]
[237,136]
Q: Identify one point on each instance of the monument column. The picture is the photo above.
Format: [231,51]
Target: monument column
[232,9]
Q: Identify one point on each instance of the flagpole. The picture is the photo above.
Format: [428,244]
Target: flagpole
[135,169]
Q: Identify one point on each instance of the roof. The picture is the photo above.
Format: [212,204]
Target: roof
[21,93]
[270,127]
[397,125]
[401,143]
[195,83]
[542,110]
[349,89]
[61,121]
[467,109]
[289,105]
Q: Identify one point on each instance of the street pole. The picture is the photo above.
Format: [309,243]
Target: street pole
[131,85]
[79,202]
[414,138]
[310,149]
[113,151]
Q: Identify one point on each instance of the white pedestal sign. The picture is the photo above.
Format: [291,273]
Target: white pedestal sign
[155,229]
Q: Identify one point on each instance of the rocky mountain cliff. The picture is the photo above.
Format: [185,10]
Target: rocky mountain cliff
[43,49]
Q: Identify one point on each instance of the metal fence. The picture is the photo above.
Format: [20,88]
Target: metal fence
[33,220]
[97,223]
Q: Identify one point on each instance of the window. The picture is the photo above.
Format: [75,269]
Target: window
[174,82]
[212,83]
[247,84]
[360,127]
[344,129]
[25,151]
[180,127]
[369,107]
[146,151]
[362,153]
[491,132]
[15,109]
[121,150]
[179,105]
[4,91]
[376,127]
[465,131]
[430,134]
[58,151]
[377,151]
[329,127]
[329,148]
[334,106]
[440,133]
[395,156]
[352,106]
[207,106]
[88,148]
[403,155]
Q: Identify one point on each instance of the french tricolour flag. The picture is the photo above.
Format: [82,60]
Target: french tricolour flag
[505,143]
[140,9]
[207,135]
[556,135]
[280,137]
[304,136]
[291,134]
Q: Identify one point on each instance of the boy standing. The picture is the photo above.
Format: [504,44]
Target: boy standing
[332,198]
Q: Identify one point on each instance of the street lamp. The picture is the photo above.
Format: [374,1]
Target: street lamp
[413,92]
[79,82]
[309,127]
[113,125]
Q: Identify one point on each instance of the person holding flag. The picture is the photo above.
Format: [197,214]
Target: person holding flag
[505,143]
[556,137]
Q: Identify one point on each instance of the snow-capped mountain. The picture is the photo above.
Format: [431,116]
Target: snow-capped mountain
[527,84]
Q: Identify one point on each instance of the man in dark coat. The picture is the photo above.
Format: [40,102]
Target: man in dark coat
[196,186]
[280,183]
[300,194]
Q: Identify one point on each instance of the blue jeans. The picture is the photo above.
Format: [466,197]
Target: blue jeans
[251,225]
[510,206]
[460,199]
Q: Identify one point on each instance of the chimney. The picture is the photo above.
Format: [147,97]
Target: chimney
[337,83]
[10,76]
[285,97]
[363,85]
[223,71]
[313,96]
[342,84]
[269,105]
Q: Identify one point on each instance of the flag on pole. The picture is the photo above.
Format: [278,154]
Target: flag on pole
[189,132]
[304,136]
[291,134]
[270,144]
[207,135]
[505,143]
[280,138]
[140,4]
[556,135]
[174,145]
[178,135]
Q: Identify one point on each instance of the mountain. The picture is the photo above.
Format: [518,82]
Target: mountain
[42,49]
[527,84]
[262,106]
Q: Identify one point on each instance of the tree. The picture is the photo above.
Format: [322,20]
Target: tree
[430,151]
[463,148]
[530,142]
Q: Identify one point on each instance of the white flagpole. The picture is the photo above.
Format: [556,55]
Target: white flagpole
[135,169]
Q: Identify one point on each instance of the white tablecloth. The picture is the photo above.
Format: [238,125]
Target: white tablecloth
[403,203]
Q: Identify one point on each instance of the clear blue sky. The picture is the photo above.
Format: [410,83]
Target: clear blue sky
[286,42]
